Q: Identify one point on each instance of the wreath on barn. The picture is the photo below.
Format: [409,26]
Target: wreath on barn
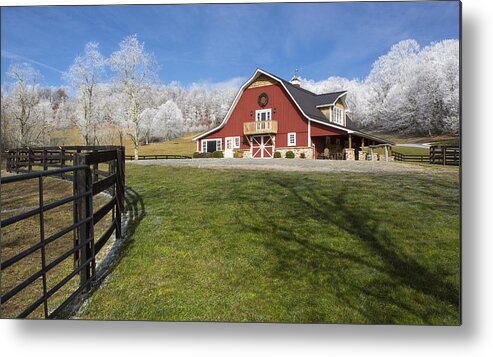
[263,99]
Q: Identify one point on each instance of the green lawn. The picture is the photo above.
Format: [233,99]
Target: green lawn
[224,245]
[409,150]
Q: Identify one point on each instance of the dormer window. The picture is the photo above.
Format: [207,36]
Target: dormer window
[337,116]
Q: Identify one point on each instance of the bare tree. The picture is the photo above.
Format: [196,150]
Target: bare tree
[84,75]
[24,98]
[136,70]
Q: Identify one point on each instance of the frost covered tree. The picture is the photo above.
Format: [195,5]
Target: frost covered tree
[169,120]
[20,104]
[410,90]
[84,75]
[135,71]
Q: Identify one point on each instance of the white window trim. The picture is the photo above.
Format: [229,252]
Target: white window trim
[234,138]
[259,111]
[334,116]
[218,144]
[289,141]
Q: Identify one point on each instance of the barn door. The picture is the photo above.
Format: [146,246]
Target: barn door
[228,150]
[262,147]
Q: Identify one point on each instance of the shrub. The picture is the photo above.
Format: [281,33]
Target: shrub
[289,155]
[217,154]
[277,155]
[202,155]
[302,155]
[238,154]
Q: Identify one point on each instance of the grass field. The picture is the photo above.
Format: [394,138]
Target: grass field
[224,245]
[179,146]
[409,150]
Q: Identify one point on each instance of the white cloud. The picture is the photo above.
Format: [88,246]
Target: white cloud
[15,57]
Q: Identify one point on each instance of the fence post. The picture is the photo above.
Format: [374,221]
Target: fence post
[119,192]
[62,161]
[30,160]
[96,169]
[45,167]
[83,207]
[9,161]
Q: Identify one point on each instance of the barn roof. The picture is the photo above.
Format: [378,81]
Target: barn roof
[308,102]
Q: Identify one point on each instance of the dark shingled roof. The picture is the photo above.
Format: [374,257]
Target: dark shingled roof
[309,101]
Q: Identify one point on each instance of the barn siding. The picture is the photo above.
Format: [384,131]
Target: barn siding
[323,130]
[288,116]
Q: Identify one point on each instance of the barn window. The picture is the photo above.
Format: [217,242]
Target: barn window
[291,139]
[263,114]
[211,145]
[337,117]
[236,144]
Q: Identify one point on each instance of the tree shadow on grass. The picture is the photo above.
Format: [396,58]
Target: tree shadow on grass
[394,287]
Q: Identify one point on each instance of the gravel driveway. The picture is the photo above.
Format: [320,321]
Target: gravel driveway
[295,165]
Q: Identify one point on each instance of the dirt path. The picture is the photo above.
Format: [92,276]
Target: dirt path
[301,165]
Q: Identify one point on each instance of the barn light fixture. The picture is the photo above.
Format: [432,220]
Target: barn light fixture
[274,111]
[251,113]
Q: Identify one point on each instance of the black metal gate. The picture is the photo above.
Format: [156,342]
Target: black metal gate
[87,181]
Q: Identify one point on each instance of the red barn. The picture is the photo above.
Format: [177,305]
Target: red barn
[270,114]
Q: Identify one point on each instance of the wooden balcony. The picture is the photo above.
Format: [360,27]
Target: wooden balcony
[260,127]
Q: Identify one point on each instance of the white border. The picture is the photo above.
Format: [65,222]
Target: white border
[292,133]
[214,139]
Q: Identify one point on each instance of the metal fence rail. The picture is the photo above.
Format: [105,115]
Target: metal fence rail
[87,181]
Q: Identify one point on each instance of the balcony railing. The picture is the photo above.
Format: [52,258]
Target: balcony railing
[260,127]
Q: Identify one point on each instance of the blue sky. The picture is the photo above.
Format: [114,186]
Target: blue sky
[218,43]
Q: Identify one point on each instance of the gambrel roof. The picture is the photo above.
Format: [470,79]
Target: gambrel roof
[307,102]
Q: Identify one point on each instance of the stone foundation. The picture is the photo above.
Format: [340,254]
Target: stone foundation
[297,152]
[349,154]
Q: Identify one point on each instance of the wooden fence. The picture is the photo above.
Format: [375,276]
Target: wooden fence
[410,158]
[81,166]
[438,155]
[157,157]
[445,155]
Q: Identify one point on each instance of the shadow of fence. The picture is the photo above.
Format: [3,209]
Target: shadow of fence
[134,212]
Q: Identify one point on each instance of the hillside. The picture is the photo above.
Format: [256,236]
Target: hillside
[179,146]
